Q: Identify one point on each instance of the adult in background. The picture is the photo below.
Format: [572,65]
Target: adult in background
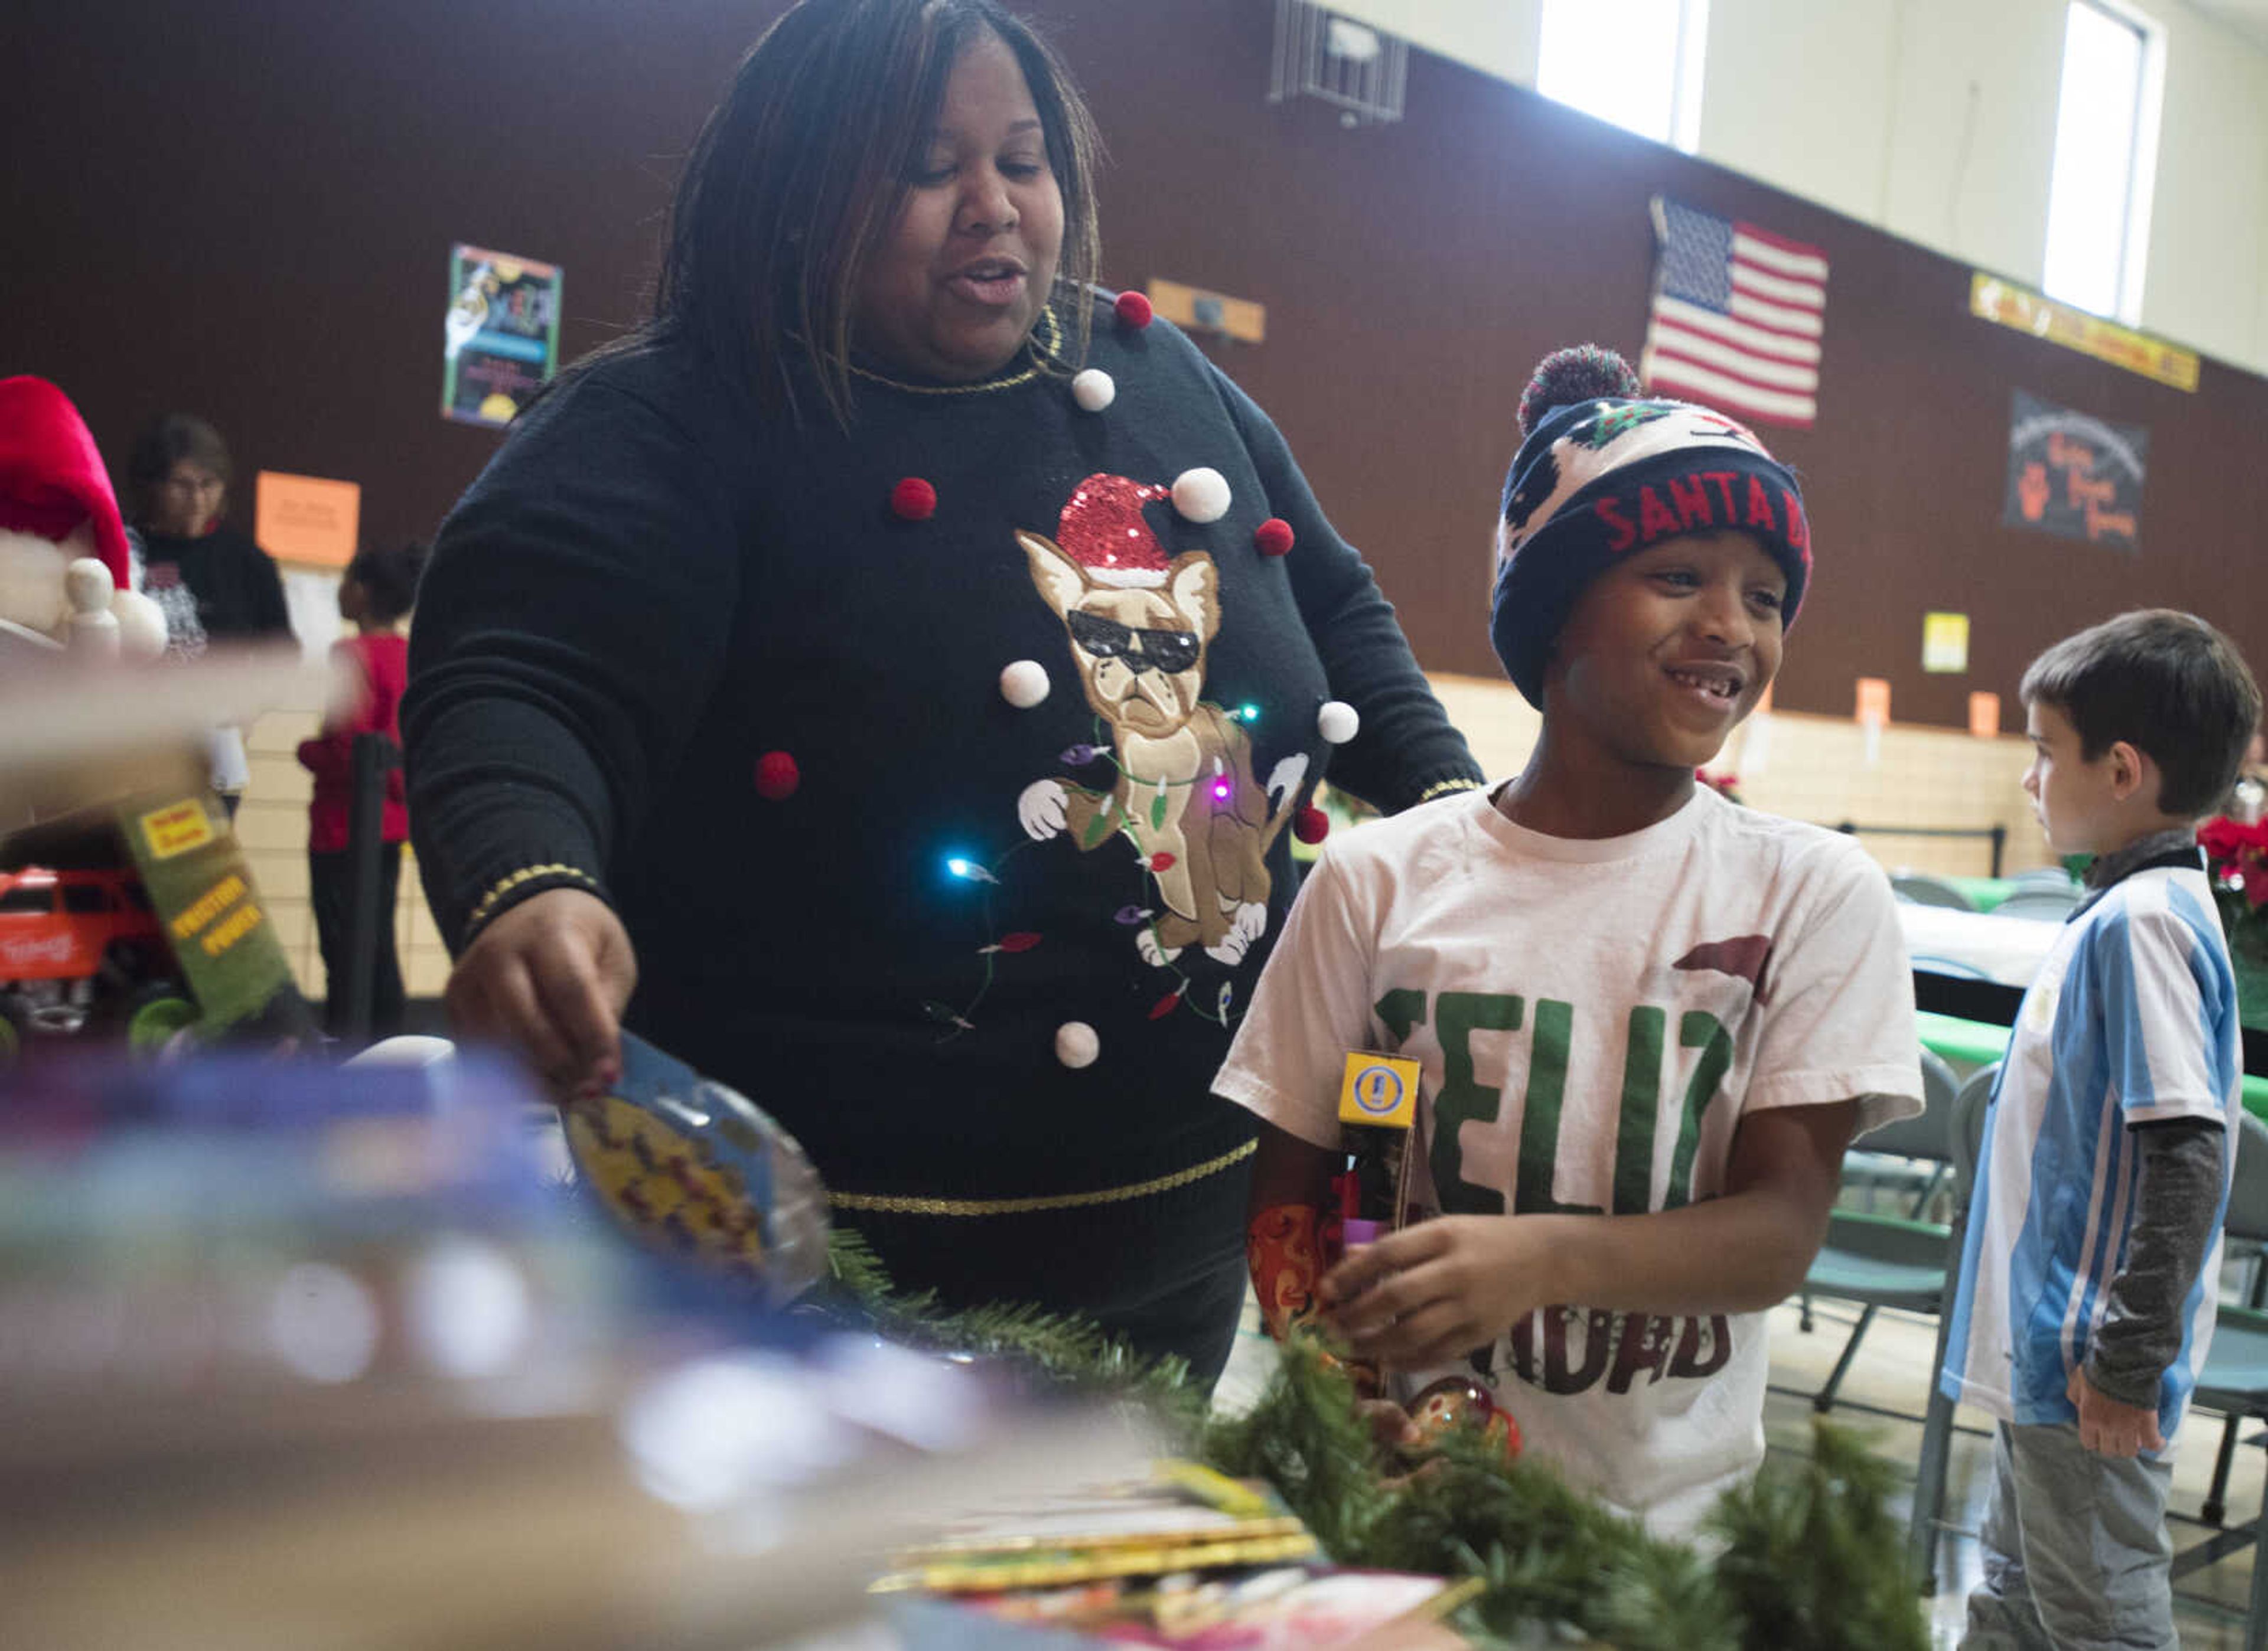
[211,583]
[901,664]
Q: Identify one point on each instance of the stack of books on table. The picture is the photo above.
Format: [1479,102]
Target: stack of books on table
[1185,1558]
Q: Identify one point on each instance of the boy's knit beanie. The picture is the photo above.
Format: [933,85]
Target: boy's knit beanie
[1602,472]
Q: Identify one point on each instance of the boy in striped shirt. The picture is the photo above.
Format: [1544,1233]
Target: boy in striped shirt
[2087,1278]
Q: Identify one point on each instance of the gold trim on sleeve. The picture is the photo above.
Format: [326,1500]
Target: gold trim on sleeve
[526,874]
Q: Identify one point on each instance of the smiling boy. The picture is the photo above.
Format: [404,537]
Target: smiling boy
[2088,1272]
[1648,1021]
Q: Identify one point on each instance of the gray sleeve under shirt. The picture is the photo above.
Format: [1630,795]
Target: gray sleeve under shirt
[2176,1201]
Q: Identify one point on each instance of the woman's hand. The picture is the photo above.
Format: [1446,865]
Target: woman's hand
[550,978]
[1431,1292]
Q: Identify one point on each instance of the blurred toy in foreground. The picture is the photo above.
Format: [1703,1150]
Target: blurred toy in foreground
[126,910]
[64,566]
[136,919]
[75,945]
[306,1303]
[690,1166]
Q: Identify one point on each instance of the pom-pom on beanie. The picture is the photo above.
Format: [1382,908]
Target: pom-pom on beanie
[1602,472]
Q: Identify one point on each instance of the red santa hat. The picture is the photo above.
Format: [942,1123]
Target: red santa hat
[1102,530]
[51,477]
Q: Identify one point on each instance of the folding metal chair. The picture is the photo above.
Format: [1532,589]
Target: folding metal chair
[1912,1157]
[1919,888]
[2234,1380]
[2043,902]
[1968,1111]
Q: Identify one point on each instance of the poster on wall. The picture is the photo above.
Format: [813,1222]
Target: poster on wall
[1945,644]
[501,335]
[2074,476]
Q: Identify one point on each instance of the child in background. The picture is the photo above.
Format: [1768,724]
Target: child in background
[2087,1278]
[375,594]
[1648,1020]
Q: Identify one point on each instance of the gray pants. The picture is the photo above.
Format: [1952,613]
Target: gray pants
[2076,1553]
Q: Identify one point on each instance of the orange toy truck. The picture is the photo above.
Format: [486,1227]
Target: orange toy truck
[85,946]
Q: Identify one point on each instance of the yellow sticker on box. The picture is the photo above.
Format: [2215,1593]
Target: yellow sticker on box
[176,828]
[1379,1090]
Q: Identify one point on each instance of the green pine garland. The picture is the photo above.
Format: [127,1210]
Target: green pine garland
[1805,1562]
[1069,1351]
[1808,1558]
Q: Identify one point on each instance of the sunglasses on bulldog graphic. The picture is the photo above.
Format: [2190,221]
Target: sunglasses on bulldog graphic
[1138,649]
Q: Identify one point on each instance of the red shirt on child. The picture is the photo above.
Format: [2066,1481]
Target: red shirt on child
[381,660]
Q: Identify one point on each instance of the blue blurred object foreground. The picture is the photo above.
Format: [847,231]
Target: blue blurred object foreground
[295,1354]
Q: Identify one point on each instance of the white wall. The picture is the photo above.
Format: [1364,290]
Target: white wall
[1767,111]
[2208,270]
[1935,120]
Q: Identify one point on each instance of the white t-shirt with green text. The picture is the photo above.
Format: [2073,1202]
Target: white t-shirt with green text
[1593,1017]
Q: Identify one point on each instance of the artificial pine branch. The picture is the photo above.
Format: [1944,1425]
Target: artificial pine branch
[1306,1438]
[1814,1558]
[1068,1351]
[1549,1554]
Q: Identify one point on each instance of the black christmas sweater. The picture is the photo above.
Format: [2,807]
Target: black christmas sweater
[941,769]
[236,591]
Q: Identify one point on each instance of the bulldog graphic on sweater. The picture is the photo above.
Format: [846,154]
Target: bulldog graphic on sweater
[1185,797]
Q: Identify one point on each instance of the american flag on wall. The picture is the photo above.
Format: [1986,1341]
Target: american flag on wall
[1738,314]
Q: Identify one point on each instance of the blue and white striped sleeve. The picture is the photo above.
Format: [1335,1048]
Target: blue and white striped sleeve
[2166,1019]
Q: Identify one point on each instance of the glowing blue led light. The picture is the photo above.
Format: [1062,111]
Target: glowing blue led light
[1249,712]
[969,870]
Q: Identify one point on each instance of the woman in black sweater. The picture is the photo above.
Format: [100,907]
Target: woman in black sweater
[212,582]
[892,674]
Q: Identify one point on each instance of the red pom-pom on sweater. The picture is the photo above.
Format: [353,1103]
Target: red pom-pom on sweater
[776,777]
[1133,310]
[913,500]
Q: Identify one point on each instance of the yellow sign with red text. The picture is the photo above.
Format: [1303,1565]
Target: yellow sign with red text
[1993,299]
[176,829]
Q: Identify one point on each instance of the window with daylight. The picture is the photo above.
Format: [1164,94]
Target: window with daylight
[2106,151]
[1635,62]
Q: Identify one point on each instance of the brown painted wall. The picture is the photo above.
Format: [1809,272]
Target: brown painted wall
[247,205]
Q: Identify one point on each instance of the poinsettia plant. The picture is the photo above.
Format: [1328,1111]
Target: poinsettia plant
[2236,861]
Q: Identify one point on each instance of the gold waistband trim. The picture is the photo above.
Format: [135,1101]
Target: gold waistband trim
[889,1204]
